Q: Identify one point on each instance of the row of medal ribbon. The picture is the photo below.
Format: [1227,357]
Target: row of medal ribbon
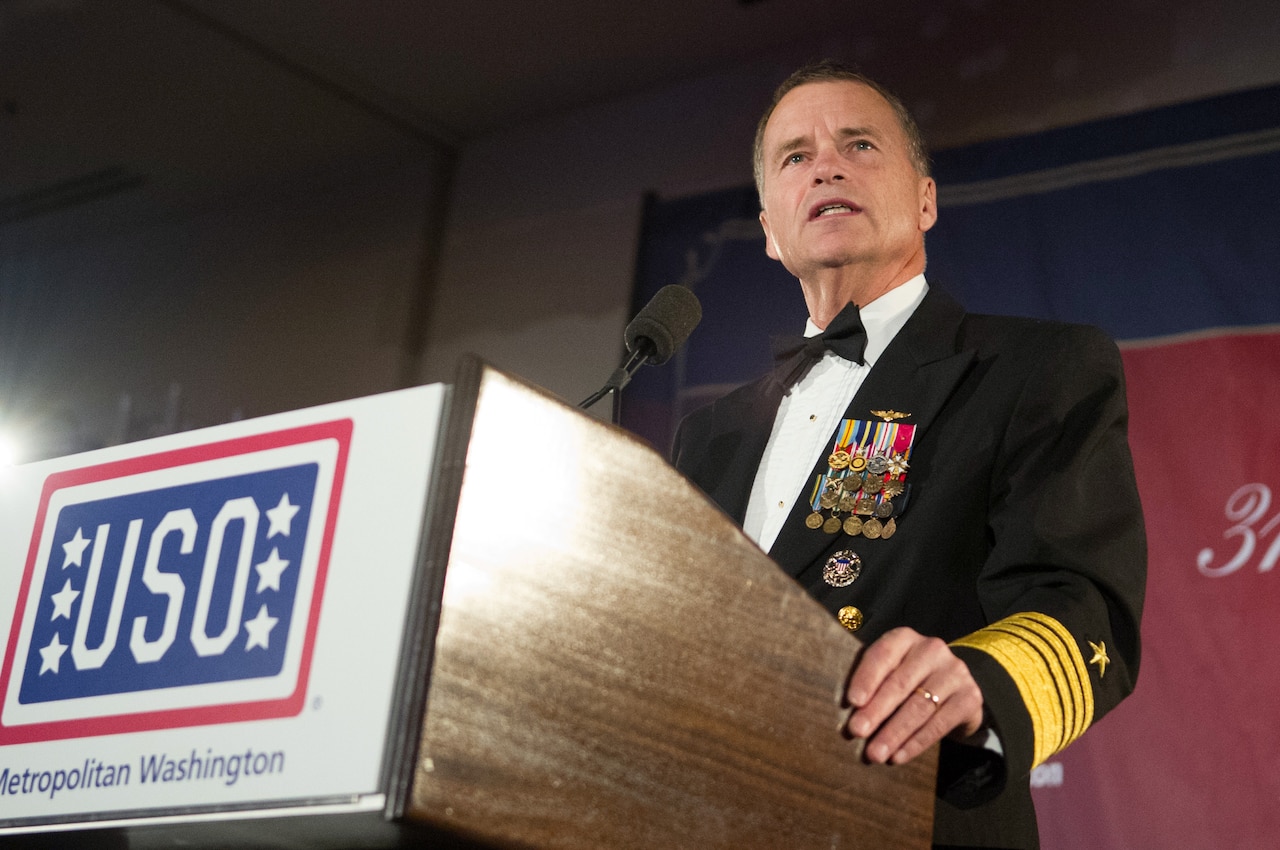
[866,470]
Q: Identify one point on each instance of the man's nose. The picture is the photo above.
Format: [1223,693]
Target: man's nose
[827,168]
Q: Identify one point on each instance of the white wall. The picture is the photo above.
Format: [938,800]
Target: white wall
[537,265]
[270,302]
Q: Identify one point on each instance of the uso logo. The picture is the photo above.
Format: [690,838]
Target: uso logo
[174,589]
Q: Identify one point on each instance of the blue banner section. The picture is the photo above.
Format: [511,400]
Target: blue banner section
[1146,225]
[1236,114]
[712,244]
[184,585]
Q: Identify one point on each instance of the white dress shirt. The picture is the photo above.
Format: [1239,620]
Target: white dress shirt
[808,415]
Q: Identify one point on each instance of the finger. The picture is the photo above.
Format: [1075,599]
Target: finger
[929,714]
[916,723]
[907,661]
[876,663]
[956,712]
[905,741]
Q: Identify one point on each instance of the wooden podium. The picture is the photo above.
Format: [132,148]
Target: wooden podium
[617,665]
[594,656]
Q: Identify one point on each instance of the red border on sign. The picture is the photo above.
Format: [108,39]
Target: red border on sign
[290,706]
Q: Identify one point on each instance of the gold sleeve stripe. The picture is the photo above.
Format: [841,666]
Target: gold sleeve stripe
[1045,663]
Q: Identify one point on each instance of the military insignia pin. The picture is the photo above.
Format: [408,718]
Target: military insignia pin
[842,568]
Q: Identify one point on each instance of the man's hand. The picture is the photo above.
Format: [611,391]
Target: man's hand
[908,691]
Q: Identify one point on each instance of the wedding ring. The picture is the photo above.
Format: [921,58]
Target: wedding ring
[930,696]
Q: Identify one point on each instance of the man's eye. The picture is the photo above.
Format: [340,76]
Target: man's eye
[795,159]
[863,145]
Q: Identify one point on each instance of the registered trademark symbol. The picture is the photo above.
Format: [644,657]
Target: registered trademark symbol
[316,702]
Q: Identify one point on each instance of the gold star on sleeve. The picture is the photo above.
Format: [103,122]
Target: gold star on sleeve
[1100,657]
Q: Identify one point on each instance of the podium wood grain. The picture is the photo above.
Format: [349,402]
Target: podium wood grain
[617,666]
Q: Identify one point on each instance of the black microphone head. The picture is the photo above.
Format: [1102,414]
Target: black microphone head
[666,322]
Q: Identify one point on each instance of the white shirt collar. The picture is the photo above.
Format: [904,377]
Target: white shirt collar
[885,316]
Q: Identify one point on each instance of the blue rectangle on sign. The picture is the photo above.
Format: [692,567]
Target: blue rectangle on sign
[177,586]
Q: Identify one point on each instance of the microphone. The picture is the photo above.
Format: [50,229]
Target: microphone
[664,324]
[653,336]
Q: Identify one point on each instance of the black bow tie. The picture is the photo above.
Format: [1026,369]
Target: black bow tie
[845,336]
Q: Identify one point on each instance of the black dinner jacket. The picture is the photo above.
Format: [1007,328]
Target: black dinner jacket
[1022,499]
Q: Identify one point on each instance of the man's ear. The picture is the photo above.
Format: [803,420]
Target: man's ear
[928,203]
[769,247]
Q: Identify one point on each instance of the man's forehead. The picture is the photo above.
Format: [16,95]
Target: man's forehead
[850,105]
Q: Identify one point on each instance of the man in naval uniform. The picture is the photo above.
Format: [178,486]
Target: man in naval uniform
[957,489]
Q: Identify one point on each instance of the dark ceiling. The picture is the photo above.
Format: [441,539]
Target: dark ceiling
[112,110]
[153,106]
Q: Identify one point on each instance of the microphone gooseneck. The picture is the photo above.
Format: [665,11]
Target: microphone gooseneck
[655,334]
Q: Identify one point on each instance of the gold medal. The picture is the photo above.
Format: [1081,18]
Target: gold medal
[867,465]
[842,568]
[889,529]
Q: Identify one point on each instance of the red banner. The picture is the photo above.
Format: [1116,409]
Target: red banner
[1192,759]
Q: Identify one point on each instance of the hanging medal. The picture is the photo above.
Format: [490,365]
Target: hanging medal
[866,474]
[836,489]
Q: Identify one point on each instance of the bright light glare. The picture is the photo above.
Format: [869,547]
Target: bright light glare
[8,450]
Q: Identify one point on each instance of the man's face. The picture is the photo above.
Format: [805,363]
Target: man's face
[839,186]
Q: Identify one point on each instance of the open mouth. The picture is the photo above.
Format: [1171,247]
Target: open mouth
[834,208]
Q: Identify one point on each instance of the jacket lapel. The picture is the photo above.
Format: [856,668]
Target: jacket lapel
[916,375]
[742,424]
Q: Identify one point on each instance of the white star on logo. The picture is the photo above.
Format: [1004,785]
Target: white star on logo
[52,655]
[74,549]
[259,629]
[269,571]
[63,600]
[281,517]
